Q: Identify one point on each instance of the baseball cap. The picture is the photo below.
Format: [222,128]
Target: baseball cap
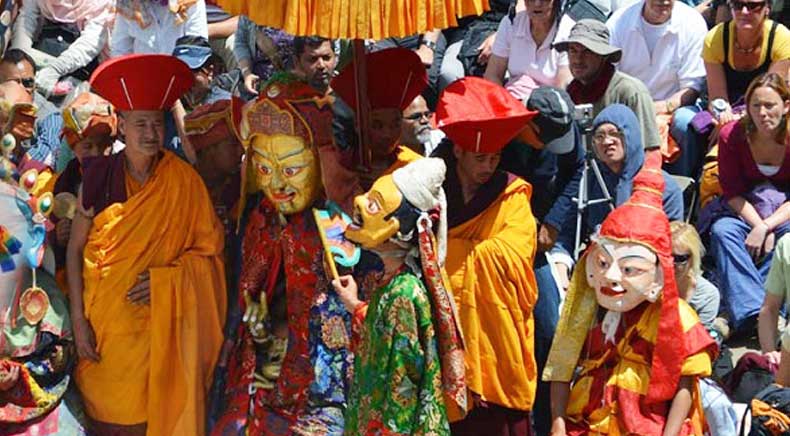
[594,35]
[194,56]
[555,118]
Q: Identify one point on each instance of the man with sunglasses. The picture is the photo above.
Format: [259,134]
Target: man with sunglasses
[17,66]
[416,131]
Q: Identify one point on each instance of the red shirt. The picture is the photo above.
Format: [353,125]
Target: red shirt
[738,172]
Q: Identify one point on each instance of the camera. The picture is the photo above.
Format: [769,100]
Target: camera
[583,115]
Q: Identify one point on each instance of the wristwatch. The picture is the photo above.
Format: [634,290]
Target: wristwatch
[719,105]
[430,44]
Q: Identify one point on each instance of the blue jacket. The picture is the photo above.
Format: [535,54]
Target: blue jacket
[618,185]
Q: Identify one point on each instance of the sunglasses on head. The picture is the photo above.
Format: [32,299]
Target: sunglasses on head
[681,259]
[27,83]
[737,5]
[418,115]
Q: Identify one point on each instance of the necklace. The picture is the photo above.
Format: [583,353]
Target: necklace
[140,177]
[747,50]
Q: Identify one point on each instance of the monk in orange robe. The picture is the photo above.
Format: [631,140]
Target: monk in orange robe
[145,268]
[394,78]
[490,250]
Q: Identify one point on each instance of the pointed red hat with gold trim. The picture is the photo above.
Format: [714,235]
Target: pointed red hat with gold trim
[642,220]
[145,82]
[480,116]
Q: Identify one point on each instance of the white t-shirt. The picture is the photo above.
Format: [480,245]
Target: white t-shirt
[514,42]
[653,33]
[675,61]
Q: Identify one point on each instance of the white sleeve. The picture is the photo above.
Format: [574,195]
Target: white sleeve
[81,52]
[197,23]
[122,42]
[501,46]
[691,73]
[26,25]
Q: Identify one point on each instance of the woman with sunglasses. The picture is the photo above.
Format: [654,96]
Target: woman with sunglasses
[737,51]
[754,211]
[523,48]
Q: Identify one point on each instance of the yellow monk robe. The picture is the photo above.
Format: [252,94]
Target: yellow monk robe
[156,361]
[489,261]
[611,400]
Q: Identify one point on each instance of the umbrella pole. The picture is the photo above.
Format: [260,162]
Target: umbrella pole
[363,104]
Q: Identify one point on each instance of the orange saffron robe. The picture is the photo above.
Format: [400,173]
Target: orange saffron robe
[489,261]
[156,360]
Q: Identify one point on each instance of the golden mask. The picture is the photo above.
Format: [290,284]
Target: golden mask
[287,171]
[374,214]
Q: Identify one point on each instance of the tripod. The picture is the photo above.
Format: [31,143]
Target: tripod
[583,200]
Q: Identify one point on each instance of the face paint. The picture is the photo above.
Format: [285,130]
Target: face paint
[287,171]
[374,222]
[623,275]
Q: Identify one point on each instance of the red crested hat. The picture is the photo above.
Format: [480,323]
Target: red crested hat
[213,123]
[145,82]
[480,116]
[642,220]
[395,77]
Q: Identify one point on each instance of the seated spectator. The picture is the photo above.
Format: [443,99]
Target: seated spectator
[687,252]
[89,130]
[416,131]
[153,27]
[195,51]
[619,155]
[737,51]
[17,117]
[18,66]
[65,37]
[596,81]
[661,44]
[315,61]
[777,296]
[523,49]
[754,173]
[703,297]
[470,44]
[221,34]
[260,52]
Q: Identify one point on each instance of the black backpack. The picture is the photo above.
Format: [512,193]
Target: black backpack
[770,410]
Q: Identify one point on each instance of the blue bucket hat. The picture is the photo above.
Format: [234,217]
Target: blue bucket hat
[194,56]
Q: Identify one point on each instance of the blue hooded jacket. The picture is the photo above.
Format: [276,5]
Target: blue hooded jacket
[618,185]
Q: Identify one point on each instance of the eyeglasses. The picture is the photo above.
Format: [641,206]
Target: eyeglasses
[737,5]
[27,82]
[681,259]
[600,137]
[418,116]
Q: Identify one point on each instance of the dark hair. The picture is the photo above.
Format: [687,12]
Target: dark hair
[15,56]
[778,85]
[302,42]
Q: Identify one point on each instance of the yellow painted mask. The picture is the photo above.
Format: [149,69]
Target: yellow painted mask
[282,131]
[375,219]
[287,171]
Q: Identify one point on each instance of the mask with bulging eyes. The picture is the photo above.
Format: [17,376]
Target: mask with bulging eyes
[623,274]
[382,214]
